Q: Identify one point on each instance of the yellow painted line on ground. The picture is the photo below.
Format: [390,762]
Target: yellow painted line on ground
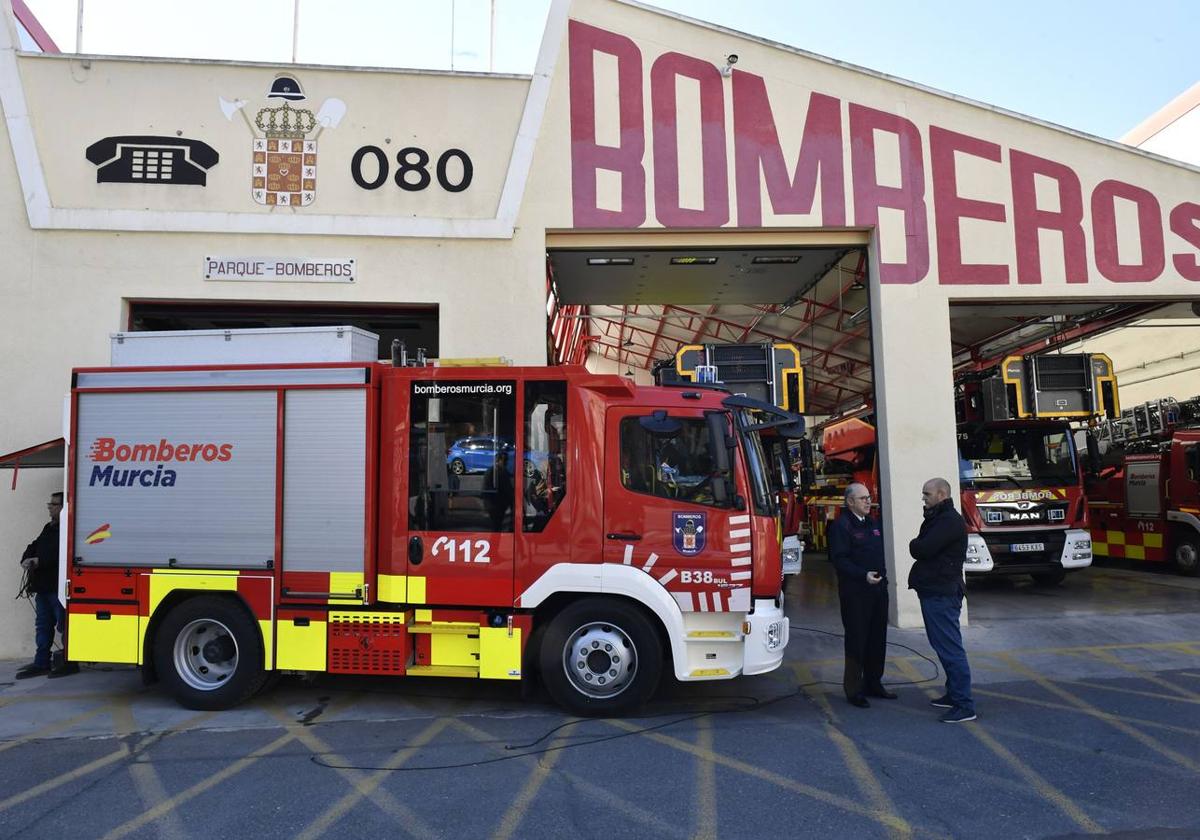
[57,726]
[92,766]
[762,774]
[864,777]
[1115,721]
[367,786]
[656,825]
[1096,713]
[529,791]
[705,798]
[145,778]
[1036,781]
[159,811]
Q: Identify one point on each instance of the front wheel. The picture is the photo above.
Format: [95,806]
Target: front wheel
[457,466]
[601,657]
[209,654]
[1187,556]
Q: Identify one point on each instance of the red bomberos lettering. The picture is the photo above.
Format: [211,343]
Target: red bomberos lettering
[108,449]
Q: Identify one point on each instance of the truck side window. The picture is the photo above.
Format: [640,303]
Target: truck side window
[544,470]
[1192,459]
[462,456]
[680,467]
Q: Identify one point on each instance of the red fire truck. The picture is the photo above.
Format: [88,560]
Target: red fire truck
[225,521]
[1020,476]
[1145,497]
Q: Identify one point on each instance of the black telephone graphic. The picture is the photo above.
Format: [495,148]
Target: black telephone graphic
[152,160]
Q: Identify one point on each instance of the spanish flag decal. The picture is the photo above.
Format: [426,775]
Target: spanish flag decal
[99,535]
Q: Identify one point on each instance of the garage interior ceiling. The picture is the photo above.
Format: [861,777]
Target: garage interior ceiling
[641,305]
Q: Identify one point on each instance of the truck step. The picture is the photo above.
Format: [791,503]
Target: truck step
[449,628]
[696,672]
[714,636]
[443,671]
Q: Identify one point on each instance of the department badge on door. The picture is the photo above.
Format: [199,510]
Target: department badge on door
[284,144]
[688,533]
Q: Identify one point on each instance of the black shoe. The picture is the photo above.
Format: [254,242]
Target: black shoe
[31,670]
[942,702]
[859,701]
[883,693]
[63,670]
[957,716]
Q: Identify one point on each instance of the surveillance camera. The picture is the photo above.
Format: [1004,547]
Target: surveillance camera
[731,58]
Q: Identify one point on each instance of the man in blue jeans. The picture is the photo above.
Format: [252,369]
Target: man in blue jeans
[940,549]
[40,561]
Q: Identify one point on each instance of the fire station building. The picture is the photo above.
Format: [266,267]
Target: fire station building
[656,182]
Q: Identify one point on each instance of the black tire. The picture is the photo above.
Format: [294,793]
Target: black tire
[209,654]
[1187,554]
[614,637]
[1052,578]
[457,466]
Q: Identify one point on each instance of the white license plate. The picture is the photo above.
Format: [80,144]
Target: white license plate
[1017,548]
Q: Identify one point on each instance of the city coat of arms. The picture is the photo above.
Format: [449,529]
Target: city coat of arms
[284,143]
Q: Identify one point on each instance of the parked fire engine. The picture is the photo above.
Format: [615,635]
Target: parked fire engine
[1145,498]
[1020,475]
[229,520]
[770,373]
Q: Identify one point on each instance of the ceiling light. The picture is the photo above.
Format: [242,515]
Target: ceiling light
[610,261]
[779,259]
[693,260]
[858,285]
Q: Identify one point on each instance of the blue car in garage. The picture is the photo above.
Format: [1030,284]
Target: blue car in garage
[477,453]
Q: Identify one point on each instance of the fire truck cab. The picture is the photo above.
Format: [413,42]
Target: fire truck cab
[226,521]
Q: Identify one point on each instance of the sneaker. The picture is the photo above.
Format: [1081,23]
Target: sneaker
[957,716]
[942,702]
[31,670]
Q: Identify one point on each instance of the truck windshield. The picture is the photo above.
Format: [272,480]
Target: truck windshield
[1016,457]
[756,462]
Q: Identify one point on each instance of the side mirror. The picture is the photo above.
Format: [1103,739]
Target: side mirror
[718,445]
[1093,453]
[808,474]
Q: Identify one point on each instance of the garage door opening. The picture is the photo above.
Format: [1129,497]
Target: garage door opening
[414,324]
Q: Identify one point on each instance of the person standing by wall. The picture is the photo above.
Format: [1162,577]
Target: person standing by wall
[856,551]
[940,549]
[40,561]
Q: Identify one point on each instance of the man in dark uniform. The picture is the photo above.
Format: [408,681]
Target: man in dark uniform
[40,561]
[940,548]
[856,551]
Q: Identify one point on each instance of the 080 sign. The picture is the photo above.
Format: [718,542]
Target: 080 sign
[412,169]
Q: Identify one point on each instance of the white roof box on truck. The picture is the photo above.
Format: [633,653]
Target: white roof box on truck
[286,345]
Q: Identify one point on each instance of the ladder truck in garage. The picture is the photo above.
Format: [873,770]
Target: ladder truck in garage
[1020,474]
[771,373]
[1145,495]
[227,520]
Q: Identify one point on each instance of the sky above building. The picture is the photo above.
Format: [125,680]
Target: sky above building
[1099,66]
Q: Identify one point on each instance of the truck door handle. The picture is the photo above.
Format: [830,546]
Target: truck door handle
[416,551]
[624,537]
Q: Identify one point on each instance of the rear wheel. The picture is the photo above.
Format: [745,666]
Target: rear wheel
[1187,555]
[209,654]
[457,466]
[1052,578]
[601,657]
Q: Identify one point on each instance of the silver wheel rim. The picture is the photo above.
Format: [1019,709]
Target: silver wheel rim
[600,660]
[1185,556]
[457,467]
[206,654]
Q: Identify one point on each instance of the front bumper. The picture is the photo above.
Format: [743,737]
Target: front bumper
[768,637]
[1064,550]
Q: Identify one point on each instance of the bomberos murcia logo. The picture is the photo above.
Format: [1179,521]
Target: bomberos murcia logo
[109,452]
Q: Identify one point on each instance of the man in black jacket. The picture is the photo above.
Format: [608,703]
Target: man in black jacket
[40,561]
[940,549]
[856,551]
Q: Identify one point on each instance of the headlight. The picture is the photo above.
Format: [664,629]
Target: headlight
[791,555]
[972,548]
[1081,544]
[774,635]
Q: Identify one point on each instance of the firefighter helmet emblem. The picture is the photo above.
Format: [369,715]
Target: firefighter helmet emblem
[284,143]
[688,533]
